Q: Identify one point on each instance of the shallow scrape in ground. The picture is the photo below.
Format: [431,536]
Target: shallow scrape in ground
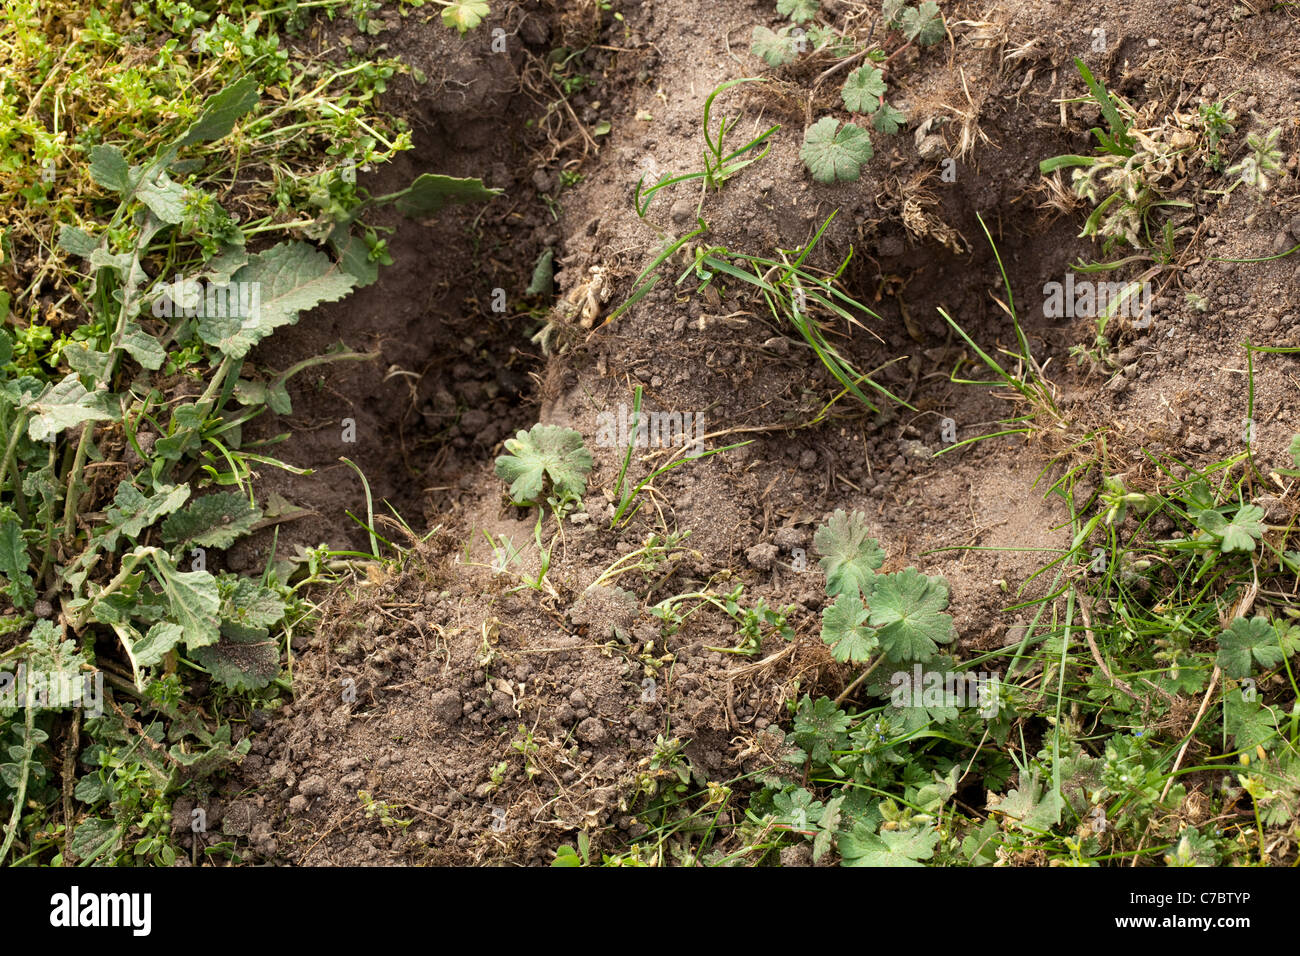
[443,712]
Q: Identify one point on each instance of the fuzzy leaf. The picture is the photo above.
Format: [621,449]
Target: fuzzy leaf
[833,153]
[291,278]
[429,192]
[242,659]
[547,451]
[844,629]
[800,11]
[155,645]
[77,241]
[464,15]
[1247,642]
[132,511]
[906,607]
[221,112]
[64,406]
[1239,534]
[861,847]
[108,168]
[247,604]
[863,89]
[850,555]
[774,49]
[891,12]
[143,347]
[14,561]
[165,199]
[888,120]
[213,521]
[1248,722]
[193,598]
[923,23]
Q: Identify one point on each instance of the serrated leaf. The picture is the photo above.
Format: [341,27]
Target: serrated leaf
[1239,534]
[1029,808]
[77,241]
[844,628]
[91,834]
[193,599]
[143,347]
[923,23]
[850,556]
[248,604]
[861,847]
[800,11]
[241,660]
[835,153]
[863,89]
[430,192]
[1246,643]
[109,169]
[545,452]
[91,363]
[132,511]
[1248,722]
[14,561]
[818,727]
[156,644]
[906,608]
[213,521]
[774,49]
[165,199]
[888,120]
[464,15]
[64,406]
[891,12]
[289,278]
[221,111]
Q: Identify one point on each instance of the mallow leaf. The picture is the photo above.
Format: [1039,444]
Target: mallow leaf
[850,556]
[774,49]
[546,452]
[800,11]
[861,847]
[833,153]
[844,628]
[863,89]
[1247,642]
[906,608]
[923,23]
[464,15]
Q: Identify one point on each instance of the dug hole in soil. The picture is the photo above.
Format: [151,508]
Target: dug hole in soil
[415,688]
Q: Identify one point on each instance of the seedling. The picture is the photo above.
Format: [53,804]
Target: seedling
[719,165]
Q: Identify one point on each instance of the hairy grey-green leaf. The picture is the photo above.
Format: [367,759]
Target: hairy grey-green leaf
[212,521]
[108,168]
[193,597]
[222,111]
[290,278]
[64,406]
[430,192]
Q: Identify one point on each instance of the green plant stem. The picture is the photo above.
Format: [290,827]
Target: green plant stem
[20,797]
[74,478]
[19,427]
[844,695]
